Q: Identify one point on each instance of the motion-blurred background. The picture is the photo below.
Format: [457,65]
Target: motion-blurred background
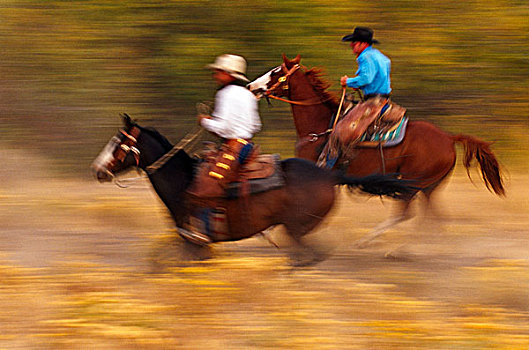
[68,68]
[88,266]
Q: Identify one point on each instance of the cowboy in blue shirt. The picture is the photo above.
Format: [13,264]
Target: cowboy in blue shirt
[376,113]
[372,76]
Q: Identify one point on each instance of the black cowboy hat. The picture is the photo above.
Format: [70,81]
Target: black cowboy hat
[362,34]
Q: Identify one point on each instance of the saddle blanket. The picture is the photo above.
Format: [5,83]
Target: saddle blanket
[389,138]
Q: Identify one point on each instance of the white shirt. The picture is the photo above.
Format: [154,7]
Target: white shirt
[236,114]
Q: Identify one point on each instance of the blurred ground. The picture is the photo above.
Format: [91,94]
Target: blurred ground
[76,270]
[84,265]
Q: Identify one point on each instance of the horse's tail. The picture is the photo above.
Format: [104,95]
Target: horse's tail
[380,185]
[488,164]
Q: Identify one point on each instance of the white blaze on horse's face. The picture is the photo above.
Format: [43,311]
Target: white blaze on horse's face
[260,85]
[105,157]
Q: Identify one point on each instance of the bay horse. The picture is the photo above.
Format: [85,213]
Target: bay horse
[427,154]
[300,205]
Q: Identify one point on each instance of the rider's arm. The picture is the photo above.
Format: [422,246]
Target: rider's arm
[219,123]
[236,114]
[365,74]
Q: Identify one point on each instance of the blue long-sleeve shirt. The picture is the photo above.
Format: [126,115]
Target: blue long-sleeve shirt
[373,72]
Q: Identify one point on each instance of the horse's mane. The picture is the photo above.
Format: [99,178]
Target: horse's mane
[180,154]
[314,75]
[156,134]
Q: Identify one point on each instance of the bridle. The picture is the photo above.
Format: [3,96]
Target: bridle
[130,142]
[127,144]
[116,151]
[283,82]
[283,79]
[124,143]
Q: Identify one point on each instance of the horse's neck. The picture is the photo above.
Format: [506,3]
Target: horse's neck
[170,180]
[312,118]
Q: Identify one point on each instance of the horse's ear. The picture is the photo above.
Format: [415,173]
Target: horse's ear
[127,120]
[290,63]
[296,59]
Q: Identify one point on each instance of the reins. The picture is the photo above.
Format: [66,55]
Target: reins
[300,103]
[151,169]
[339,108]
[314,137]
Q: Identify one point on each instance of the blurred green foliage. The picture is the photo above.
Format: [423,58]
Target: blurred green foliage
[68,68]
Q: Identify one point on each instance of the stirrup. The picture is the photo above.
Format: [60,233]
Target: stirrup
[194,237]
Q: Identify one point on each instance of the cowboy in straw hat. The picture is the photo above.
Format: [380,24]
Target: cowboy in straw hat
[234,65]
[235,119]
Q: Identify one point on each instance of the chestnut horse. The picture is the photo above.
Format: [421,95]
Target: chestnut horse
[300,205]
[426,154]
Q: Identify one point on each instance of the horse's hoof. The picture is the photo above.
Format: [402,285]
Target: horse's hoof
[317,258]
[397,256]
[191,251]
[303,263]
[363,243]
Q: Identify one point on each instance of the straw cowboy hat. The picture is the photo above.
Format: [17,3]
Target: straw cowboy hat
[234,65]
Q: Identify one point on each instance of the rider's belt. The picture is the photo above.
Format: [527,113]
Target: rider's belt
[368,96]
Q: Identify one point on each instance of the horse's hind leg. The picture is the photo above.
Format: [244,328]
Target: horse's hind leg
[431,210]
[402,215]
[432,219]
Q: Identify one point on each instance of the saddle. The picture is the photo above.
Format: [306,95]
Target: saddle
[262,173]
[262,166]
[377,122]
[376,115]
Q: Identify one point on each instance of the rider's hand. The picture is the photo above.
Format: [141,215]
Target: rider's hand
[343,80]
[202,116]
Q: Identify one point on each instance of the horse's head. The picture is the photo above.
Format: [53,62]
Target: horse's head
[275,81]
[292,83]
[120,153]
